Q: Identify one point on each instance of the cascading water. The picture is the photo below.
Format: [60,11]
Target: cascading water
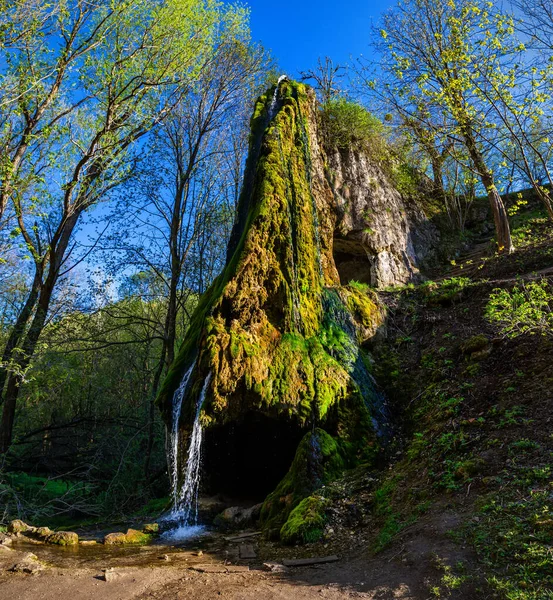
[272,107]
[173,445]
[185,508]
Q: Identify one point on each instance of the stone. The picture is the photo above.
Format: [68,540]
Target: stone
[18,526]
[63,538]
[42,533]
[247,552]
[238,517]
[132,536]
[275,567]
[110,574]
[5,540]
[88,543]
[152,528]
[28,563]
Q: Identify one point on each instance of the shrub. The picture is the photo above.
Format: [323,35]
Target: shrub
[347,123]
[524,309]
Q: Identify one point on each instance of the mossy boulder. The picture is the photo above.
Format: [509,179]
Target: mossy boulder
[305,524]
[151,528]
[63,538]
[318,461]
[19,526]
[133,536]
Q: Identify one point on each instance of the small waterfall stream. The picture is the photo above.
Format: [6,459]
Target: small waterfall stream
[173,445]
[272,107]
[185,500]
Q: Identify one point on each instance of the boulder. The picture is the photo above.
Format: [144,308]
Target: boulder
[151,528]
[18,526]
[238,517]
[63,538]
[133,536]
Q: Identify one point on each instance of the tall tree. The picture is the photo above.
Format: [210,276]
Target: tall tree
[433,53]
[134,73]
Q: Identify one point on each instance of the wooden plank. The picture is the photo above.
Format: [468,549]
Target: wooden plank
[243,536]
[247,552]
[304,562]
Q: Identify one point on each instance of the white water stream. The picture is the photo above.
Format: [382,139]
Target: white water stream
[185,491]
[272,108]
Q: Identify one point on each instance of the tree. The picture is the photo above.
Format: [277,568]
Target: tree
[128,82]
[433,53]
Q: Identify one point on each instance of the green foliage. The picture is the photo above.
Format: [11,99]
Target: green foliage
[306,522]
[524,309]
[348,124]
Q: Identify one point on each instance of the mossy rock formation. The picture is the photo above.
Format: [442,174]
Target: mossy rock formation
[279,334]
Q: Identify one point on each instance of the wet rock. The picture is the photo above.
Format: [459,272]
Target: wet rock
[133,536]
[18,526]
[63,538]
[28,563]
[151,528]
[88,543]
[42,533]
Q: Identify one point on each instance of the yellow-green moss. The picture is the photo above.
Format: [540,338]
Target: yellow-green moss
[306,522]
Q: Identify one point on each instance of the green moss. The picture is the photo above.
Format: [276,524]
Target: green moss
[132,537]
[318,461]
[306,522]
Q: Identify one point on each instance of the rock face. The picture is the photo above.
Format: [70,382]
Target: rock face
[275,347]
[381,236]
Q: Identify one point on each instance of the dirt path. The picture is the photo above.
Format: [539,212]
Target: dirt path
[180,583]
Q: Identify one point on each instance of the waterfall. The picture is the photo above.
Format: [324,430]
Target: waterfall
[272,108]
[187,505]
[173,446]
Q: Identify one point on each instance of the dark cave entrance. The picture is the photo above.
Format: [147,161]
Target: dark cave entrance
[352,262]
[246,459]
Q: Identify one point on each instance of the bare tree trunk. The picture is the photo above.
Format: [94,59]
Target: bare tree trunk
[501,219]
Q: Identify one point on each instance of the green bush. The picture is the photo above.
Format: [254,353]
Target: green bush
[524,309]
[347,123]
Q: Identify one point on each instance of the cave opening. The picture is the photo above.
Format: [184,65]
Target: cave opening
[246,459]
[352,261]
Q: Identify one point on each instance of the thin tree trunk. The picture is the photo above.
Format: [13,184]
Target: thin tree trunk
[501,219]
[19,328]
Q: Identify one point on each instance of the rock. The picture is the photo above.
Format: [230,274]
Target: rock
[63,538]
[87,543]
[238,517]
[275,567]
[152,528]
[110,574]
[28,563]
[132,536]
[382,234]
[165,557]
[247,552]
[42,533]
[5,540]
[18,526]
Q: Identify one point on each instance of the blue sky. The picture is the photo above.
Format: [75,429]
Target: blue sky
[298,32]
